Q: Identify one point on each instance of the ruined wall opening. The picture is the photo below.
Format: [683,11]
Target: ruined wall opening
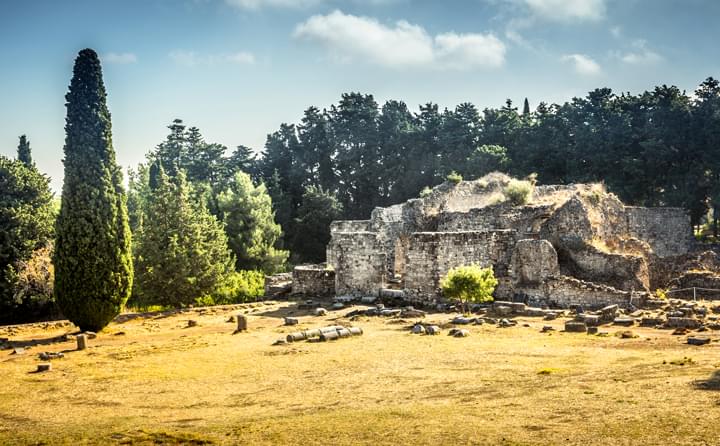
[398,271]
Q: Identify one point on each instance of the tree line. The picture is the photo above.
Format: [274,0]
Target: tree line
[202,224]
[657,148]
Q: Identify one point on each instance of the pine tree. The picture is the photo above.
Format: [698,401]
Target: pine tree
[526,108]
[317,211]
[182,252]
[93,261]
[24,154]
[250,226]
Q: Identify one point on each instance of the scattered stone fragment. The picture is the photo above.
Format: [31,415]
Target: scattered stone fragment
[684,322]
[343,332]
[502,310]
[368,299]
[387,312]
[119,333]
[355,331]
[461,333]
[505,323]
[320,312]
[534,312]
[680,331]
[479,321]
[297,336]
[231,319]
[550,316]
[46,356]
[713,326]
[329,335]
[81,341]
[91,334]
[591,320]
[461,320]
[417,329]
[291,321]
[518,307]
[592,330]
[412,312]
[627,334]
[44,367]
[18,351]
[280,342]
[242,323]
[696,340]
[190,323]
[575,327]
[624,321]
[432,330]
[650,322]
[547,328]
[338,306]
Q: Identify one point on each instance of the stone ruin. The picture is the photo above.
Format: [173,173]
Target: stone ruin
[568,245]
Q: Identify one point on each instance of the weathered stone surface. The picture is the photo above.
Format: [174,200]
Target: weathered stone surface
[44,367]
[313,280]
[291,321]
[533,261]
[651,321]
[575,327]
[683,322]
[320,312]
[418,329]
[432,329]
[592,330]
[81,341]
[461,320]
[695,340]
[624,321]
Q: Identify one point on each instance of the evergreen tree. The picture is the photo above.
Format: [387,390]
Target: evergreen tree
[26,225]
[93,261]
[182,252]
[250,226]
[526,108]
[24,154]
[317,211]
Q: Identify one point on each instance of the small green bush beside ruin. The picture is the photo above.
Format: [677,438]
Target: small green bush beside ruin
[469,283]
[518,192]
[454,177]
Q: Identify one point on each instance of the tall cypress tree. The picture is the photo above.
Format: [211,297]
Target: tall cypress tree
[93,260]
[24,154]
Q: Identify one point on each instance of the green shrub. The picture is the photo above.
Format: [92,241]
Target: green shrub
[469,283]
[454,177]
[425,192]
[518,192]
[241,286]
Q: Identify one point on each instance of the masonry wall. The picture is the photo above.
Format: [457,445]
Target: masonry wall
[359,262]
[313,280]
[563,292]
[666,230]
[430,255]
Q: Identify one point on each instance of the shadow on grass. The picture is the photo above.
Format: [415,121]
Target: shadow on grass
[712,383]
[44,341]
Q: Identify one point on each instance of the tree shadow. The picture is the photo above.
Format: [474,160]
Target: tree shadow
[45,341]
[712,383]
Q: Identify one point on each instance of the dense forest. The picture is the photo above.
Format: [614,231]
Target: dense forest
[208,222]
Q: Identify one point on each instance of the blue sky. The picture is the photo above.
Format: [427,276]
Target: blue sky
[238,68]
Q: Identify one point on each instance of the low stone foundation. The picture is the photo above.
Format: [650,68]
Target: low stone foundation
[313,280]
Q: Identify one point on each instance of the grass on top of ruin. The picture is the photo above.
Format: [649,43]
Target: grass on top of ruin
[156,380]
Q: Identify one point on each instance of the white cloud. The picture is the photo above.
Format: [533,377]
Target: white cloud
[119,58]
[583,64]
[641,55]
[259,4]
[191,58]
[567,10]
[350,37]
[295,4]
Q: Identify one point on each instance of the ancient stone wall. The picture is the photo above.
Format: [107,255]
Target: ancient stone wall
[563,292]
[622,271]
[350,226]
[359,262]
[526,220]
[666,230]
[313,280]
[533,261]
[431,255]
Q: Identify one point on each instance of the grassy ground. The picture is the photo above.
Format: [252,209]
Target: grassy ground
[153,380]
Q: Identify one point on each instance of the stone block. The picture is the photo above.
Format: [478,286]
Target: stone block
[575,327]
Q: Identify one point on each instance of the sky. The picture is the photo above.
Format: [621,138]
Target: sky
[237,69]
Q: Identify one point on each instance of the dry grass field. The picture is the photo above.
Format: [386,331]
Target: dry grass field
[154,380]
